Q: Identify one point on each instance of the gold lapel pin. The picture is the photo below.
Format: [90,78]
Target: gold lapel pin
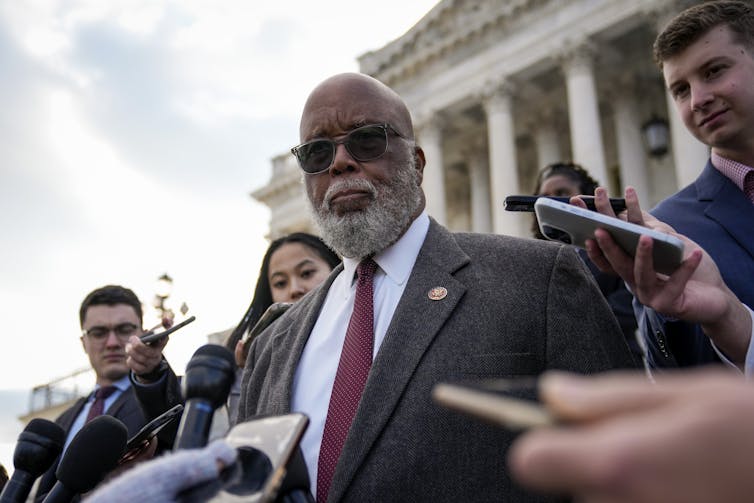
[437,293]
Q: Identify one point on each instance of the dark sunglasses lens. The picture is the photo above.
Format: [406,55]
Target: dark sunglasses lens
[315,156]
[367,143]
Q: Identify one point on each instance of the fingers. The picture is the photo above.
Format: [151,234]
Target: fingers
[143,358]
[633,209]
[620,261]
[575,398]
[597,257]
[579,399]
[602,202]
[240,354]
[664,294]
[577,201]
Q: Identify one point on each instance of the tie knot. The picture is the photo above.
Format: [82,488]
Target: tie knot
[104,391]
[366,268]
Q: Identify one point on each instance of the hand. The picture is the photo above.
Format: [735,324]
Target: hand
[240,353]
[144,358]
[687,439]
[695,292]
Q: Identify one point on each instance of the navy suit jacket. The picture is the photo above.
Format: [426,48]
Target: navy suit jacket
[716,214]
[125,408]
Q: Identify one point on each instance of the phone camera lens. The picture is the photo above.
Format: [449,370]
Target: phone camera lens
[556,234]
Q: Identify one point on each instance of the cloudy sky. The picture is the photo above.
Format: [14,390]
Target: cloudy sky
[131,134]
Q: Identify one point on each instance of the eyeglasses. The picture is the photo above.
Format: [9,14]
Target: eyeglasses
[123,331]
[365,143]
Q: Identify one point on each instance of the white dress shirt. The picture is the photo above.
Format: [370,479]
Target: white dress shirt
[316,370]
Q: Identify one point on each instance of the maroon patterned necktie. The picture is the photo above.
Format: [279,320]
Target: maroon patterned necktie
[353,369]
[98,407]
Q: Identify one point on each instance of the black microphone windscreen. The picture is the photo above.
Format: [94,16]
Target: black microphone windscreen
[38,446]
[214,350]
[92,454]
[209,374]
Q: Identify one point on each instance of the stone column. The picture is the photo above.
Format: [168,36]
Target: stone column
[481,203]
[548,148]
[430,139]
[632,158]
[689,154]
[502,150]
[583,112]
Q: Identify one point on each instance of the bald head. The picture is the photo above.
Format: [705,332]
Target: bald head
[348,100]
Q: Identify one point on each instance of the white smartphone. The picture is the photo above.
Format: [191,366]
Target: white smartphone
[573,225]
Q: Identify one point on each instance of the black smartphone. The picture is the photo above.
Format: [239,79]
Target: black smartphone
[526,203]
[510,403]
[140,441]
[153,336]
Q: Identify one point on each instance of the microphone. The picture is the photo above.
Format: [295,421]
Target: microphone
[161,479]
[209,375]
[93,453]
[38,446]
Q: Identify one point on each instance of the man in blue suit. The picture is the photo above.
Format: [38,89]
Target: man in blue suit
[707,58]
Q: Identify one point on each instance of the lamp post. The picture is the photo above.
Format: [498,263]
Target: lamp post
[163,289]
[656,136]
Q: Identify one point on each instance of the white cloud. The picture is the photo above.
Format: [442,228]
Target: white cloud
[105,194]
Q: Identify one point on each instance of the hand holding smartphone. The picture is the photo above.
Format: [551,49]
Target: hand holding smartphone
[573,225]
[140,441]
[153,336]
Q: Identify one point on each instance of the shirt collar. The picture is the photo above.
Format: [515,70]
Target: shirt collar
[733,170]
[397,260]
[122,384]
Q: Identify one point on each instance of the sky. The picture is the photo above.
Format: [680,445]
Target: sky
[131,136]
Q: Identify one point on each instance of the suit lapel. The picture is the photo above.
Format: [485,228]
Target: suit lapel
[287,345]
[119,403]
[66,420]
[728,206]
[416,322]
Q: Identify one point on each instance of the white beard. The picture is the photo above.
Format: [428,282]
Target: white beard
[364,233]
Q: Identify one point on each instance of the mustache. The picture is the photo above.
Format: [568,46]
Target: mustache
[348,184]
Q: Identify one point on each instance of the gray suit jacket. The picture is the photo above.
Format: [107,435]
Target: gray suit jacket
[515,307]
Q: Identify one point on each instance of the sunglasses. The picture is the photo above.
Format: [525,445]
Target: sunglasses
[365,143]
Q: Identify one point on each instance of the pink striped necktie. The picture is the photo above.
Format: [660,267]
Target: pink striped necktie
[98,407]
[353,369]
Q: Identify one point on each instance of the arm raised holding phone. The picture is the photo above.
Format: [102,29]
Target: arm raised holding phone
[695,292]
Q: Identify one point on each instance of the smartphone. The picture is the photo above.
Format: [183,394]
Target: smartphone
[573,225]
[152,336]
[266,453]
[510,403]
[526,203]
[140,441]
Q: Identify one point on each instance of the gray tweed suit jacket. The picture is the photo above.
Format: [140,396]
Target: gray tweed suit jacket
[515,307]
